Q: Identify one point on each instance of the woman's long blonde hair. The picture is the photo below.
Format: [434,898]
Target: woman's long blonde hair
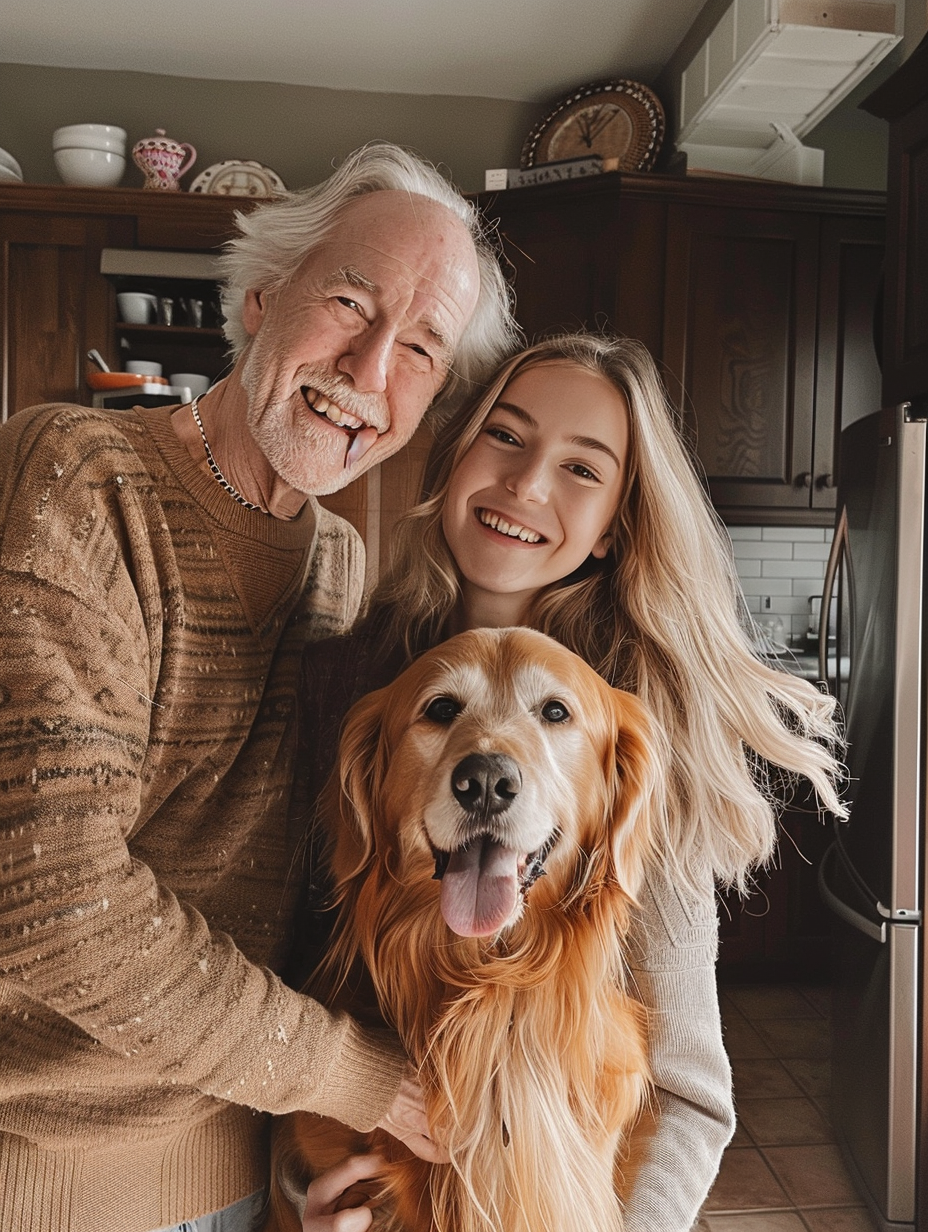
[662,616]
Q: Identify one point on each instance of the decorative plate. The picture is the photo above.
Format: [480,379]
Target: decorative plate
[621,121]
[238,178]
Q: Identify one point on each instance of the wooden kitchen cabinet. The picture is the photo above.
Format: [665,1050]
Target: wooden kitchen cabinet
[768,347]
[903,101]
[756,299]
[55,303]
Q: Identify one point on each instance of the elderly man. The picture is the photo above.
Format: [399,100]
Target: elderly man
[160,572]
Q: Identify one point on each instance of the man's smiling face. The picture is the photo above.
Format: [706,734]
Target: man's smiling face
[347,357]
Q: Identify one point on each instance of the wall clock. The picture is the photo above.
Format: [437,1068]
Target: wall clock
[621,121]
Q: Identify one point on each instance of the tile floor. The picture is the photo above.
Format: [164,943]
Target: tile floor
[783,1171]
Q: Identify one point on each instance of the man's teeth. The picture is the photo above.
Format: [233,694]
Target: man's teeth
[320,403]
[511,529]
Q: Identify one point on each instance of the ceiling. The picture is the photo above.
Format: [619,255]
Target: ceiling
[524,50]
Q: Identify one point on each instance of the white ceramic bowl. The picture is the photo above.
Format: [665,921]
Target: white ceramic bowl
[90,136]
[143,367]
[196,382]
[9,163]
[91,168]
[78,142]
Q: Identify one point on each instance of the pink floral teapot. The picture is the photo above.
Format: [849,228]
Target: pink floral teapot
[162,160]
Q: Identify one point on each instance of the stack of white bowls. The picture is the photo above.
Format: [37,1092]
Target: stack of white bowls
[9,168]
[93,155]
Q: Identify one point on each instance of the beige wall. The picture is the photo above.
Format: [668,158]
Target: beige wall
[301,131]
[298,131]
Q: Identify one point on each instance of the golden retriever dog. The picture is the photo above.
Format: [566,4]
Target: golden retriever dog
[487,829]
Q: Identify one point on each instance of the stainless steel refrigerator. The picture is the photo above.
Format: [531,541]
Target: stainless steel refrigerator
[872,876]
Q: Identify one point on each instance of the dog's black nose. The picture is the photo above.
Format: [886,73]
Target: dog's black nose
[486,783]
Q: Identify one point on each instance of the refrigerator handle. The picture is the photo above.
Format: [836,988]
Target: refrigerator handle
[838,545]
[841,908]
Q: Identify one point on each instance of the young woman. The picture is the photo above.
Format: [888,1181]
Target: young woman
[565,499]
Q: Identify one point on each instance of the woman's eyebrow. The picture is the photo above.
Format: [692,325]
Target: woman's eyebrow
[585,442]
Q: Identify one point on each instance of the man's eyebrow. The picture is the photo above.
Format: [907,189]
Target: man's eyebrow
[585,442]
[351,276]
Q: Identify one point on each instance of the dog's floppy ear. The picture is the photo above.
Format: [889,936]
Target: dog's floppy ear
[359,770]
[635,773]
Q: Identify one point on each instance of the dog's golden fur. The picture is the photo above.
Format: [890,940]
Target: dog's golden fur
[530,1050]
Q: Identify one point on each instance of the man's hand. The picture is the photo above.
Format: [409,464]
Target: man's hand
[330,1207]
[407,1121]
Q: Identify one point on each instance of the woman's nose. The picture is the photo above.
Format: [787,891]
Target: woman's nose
[529,482]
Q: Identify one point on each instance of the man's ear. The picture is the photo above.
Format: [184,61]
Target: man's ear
[254,307]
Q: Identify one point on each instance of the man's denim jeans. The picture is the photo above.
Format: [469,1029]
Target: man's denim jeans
[239,1217]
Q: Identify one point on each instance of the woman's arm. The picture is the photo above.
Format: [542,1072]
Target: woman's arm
[674,945]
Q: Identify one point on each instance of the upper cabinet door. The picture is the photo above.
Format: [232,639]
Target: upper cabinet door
[848,378]
[54,305]
[561,252]
[740,305]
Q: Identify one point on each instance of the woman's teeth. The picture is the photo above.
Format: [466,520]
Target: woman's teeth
[321,405]
[511,529]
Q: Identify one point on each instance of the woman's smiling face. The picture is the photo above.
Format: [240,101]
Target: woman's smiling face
[535,494]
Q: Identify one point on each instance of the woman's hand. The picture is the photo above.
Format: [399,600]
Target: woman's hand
[406,1120]
[330,1207]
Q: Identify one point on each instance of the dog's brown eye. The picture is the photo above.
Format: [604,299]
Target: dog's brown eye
[554,712]
[443,710]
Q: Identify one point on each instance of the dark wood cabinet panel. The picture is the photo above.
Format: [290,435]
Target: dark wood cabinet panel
[561,253]
[55,305]
[739,346]
[848,378]
[903,101]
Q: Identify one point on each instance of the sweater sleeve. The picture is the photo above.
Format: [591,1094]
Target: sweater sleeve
[122,982]
[674,947]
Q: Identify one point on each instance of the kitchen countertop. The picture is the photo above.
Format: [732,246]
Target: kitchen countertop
[800,662]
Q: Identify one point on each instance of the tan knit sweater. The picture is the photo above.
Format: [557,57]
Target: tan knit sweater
[150,636]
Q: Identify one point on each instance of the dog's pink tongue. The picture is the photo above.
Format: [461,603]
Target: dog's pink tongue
[480,889]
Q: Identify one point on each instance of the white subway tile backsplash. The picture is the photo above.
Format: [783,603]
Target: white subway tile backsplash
[786,563]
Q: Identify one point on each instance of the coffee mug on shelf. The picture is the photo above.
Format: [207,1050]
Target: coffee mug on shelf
[136,308]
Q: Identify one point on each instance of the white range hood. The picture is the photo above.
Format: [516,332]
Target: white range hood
[768,73]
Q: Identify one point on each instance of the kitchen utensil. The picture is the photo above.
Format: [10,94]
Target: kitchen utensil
[122,380]
[165,310]
[136,308]
[194,312]
[96,358]
[162,160]
[89,168]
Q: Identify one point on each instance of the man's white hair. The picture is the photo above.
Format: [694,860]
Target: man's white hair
[275,238]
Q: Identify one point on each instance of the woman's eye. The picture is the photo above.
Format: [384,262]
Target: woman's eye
[347,302]
[583,472]
[500,434]
[443,710]
[555,712]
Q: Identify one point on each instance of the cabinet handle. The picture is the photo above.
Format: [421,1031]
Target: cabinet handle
[826,481]
[804,480]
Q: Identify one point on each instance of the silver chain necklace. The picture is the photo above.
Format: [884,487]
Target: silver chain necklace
[217,473]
